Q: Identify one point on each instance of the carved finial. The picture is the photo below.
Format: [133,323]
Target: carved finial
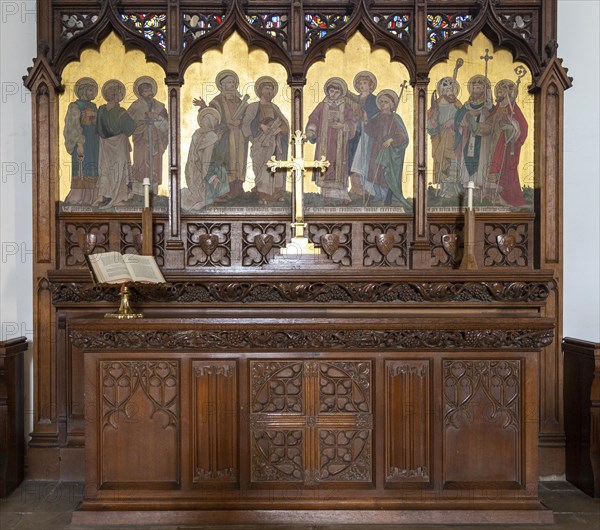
[43,48]
[551,48]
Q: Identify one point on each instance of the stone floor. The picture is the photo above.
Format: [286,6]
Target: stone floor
[43,505]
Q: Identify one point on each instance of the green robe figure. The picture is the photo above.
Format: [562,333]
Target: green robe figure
[389,140]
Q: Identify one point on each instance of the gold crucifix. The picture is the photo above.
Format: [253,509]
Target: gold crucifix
[298,165]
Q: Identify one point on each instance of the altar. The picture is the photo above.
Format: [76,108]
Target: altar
[324,416]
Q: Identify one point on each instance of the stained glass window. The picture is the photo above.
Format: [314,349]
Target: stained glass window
[441,27]
[152,26]
[317,26]
[397,25]
[196,26]
[74,23]
[521,23]
[275,26]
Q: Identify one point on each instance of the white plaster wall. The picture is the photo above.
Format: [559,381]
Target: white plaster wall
[17,48]
[579,46]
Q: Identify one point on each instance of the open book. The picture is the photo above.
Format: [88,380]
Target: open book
[112,267]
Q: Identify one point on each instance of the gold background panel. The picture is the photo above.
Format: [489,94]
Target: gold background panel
[111,61]
[199,81]
[346,61]
[502,66]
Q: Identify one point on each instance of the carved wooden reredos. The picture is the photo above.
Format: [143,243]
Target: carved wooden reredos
[392,237]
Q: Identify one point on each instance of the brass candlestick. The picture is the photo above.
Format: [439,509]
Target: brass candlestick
[125,311]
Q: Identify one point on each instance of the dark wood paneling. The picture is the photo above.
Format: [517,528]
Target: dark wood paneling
[582,423]
[12,414]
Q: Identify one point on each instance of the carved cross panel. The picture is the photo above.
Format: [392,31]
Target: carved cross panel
[311,422]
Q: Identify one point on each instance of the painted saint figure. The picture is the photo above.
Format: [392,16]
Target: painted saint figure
[150,138]
[509,131]
[472,134]
[269,131]
[205,175]
[440,126]
[114,126]
[389,140]
[365,107]
[232,147]
[81,142]
[331,125]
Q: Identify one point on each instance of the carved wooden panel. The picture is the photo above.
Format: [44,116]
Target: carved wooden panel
[259,242]
[139,440]
[335,240]
[385,245]
[446,241]
[214,421]
[408,421]
[506,245]
[208,245]
[311,421]
[131,240]
[76,241]
[483,422]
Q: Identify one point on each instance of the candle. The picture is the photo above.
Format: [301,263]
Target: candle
[146,185]
[470,187]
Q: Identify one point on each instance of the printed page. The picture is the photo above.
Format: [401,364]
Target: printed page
[109,267]
[143,268]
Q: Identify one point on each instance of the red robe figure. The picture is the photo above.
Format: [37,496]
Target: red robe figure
[509,131]
[331,125]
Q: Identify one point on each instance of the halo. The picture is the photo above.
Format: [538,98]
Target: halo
[475,78]
[455,85]
[390,94]
[210,111]
[86,81]
[144,79]
[511,88]
[364,73]
[339,81]
[224,73]
[110,83]
[265,79]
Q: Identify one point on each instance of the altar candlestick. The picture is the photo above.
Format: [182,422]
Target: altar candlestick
[470,187]
[146,185]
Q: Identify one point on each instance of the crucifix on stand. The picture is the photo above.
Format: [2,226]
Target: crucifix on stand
[300,244]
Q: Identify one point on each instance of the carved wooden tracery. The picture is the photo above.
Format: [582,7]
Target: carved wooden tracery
[398,264]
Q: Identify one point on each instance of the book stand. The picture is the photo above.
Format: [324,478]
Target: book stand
[125,311]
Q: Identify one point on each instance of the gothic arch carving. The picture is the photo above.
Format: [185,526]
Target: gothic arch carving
[234,19]
[488,22]
[361,20]
[92,37]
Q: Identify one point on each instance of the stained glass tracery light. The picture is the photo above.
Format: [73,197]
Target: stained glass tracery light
[522,23]
[153,26]
[397,25]
[318,26]
[275,26]
[198,25]
[74,23]
[440,27]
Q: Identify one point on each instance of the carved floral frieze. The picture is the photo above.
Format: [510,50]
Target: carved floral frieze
[304,291]
[335,339]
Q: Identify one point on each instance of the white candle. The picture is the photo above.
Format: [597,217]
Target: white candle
[146,185]
[470,187]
